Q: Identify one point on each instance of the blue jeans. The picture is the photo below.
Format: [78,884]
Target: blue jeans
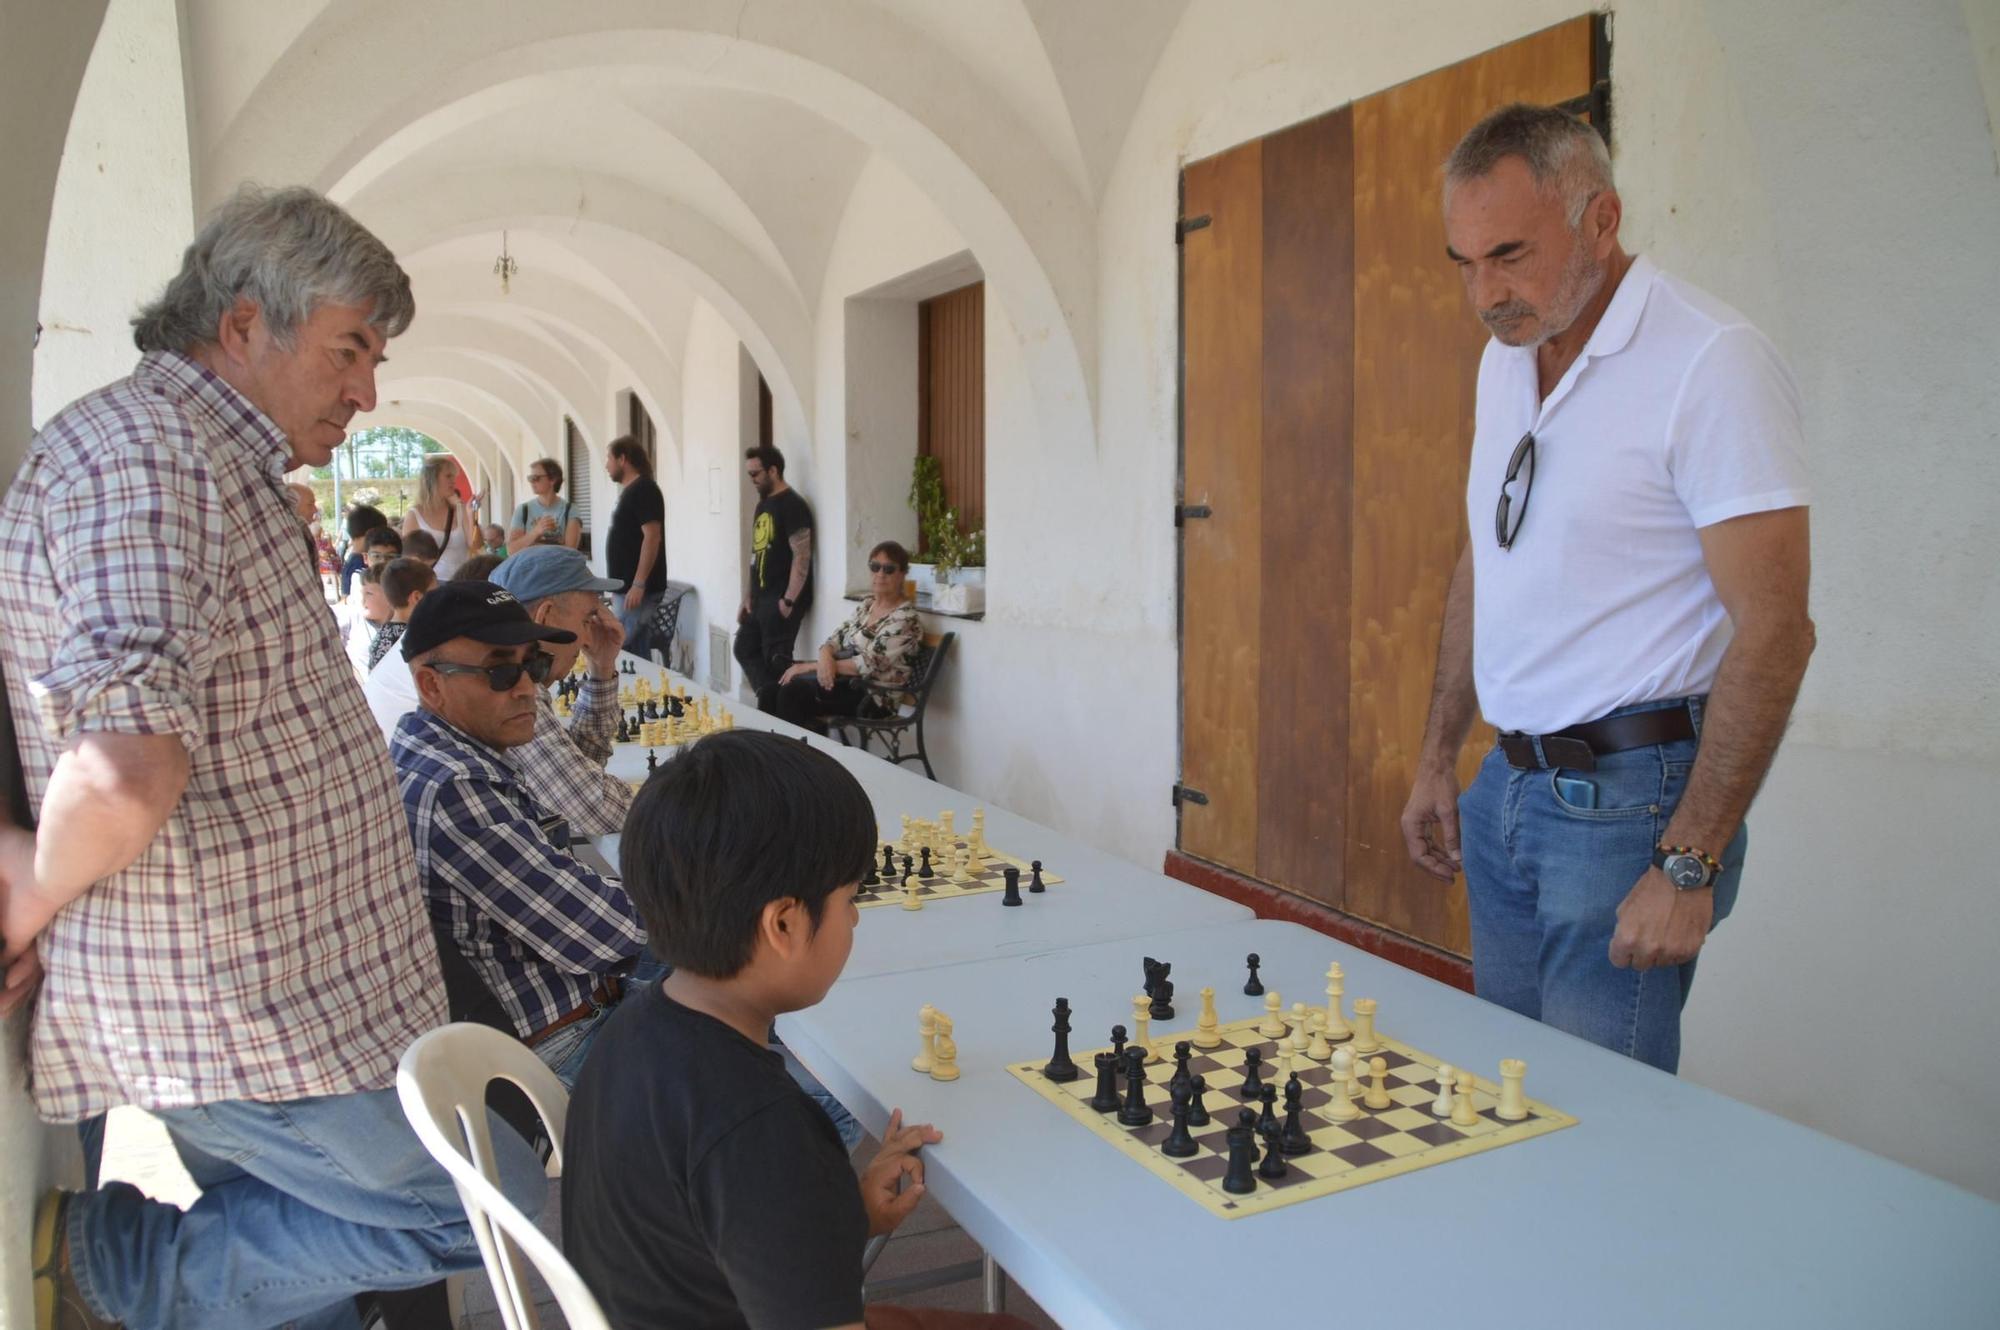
[304,1204]
[638,625]
[1544,880]
[850,1129]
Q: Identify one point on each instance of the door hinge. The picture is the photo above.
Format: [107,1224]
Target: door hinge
[1188,512]
[1187,224]
[1188,794]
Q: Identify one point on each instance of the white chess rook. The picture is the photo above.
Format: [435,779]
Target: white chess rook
[1513,1102]
[1365,1040]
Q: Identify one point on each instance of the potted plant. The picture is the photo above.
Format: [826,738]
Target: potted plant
[956,558]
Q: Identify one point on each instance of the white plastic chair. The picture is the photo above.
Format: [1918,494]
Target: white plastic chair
[442,1082]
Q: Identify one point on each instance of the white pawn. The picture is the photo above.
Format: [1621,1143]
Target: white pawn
[1141,1018]
[1442,1108]
[1300,1035]
[1341,1107]
[1464,1113]
[911,900]
[1318,1049]
[961,866]
[1273,1025]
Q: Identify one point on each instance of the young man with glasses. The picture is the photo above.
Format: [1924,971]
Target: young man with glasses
[1639,637]
[549,936]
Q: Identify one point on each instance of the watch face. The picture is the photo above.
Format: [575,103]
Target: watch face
[1684,870]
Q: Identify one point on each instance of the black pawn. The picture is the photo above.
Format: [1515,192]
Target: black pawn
[1293,1139]
[924,864]
[873,879]
[652,760]
[1253,1084]
[1135,1111]
[1182,1076]
[1179,1143]
[888,861]
[1274,1165]
[1118,1043]
[1253,986]
[1060,1067]
[1241,1179]
[1013,892]
[1106,1098]
[908,868]
[1198,1108]
[1268,1119]
[1035,886]
[624,735]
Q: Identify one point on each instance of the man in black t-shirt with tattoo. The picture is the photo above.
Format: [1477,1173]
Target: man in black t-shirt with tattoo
[780,585]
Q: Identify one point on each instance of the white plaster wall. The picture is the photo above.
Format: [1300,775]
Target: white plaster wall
[705,541]
[124,207]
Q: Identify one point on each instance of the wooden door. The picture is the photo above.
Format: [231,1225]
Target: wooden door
[1329,367]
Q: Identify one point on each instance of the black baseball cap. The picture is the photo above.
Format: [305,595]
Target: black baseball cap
[478,610]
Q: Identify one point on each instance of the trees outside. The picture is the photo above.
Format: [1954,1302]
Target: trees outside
[384,461]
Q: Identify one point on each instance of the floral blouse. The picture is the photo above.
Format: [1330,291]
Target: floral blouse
[887,651]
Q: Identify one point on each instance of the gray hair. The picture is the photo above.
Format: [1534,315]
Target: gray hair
[1566,157]
[286,250]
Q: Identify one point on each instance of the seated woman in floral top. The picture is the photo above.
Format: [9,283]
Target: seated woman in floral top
[877,645]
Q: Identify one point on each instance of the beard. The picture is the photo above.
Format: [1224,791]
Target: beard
[1517,323]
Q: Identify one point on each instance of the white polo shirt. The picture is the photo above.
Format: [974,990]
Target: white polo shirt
[391,691]
[1677,415]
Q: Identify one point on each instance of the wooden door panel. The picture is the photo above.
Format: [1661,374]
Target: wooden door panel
[1308,412]
[1416,361]
[1223,583]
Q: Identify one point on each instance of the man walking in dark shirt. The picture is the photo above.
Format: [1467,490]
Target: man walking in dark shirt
[635,551]
[779,591]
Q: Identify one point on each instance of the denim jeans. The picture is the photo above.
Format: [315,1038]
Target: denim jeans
[850,1129]
[1544,880]
[304,1204]
[638,625]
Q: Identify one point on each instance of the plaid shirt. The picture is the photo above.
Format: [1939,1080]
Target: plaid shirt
[565,766]
[541,929]
[271,942]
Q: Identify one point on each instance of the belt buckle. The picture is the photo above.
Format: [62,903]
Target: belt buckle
[1519,750]
[1570,754]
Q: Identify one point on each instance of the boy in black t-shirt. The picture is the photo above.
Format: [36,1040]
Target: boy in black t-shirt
[701,1186]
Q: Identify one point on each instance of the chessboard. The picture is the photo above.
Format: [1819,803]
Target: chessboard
[875,890]
[1375,1144]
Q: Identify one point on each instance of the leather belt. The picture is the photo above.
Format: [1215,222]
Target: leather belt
[606,994]
[1578,747]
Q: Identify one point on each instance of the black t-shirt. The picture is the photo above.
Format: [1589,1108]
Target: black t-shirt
[701,1187]
[639,503]
[778,519]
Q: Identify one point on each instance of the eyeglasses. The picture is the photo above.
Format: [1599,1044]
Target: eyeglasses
[500,678]
[539,475]
[883,568]
[1507,518]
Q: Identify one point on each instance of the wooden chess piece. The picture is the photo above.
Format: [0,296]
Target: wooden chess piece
[1442,1105]
[1378,1089]
[944,1059]
[1341,1107]
[1207,1031]
[927,1031]
[1365,1038]
[1463,1112]
[1273,1025]
[1142,1011]
[1318,1049]
[911,900]
[1513,1103]
[1300,1036]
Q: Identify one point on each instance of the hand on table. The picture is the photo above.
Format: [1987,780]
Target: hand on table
[1658,924]
[1430,823]
[898,1159]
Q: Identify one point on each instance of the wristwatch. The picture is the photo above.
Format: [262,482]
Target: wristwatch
[1686,867]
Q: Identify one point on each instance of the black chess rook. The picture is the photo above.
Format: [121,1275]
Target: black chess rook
[1012,877]
[1241,1177]
[1106,1099]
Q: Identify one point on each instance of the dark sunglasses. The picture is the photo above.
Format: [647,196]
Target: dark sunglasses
[1507,518]
[883,568]
[500,678]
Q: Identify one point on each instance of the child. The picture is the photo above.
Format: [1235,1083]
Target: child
[374,611]
[701,1186]
[421,544]
[496,539]
[403,584]
[360,521]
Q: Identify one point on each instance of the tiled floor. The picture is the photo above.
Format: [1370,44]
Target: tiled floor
[137,1151]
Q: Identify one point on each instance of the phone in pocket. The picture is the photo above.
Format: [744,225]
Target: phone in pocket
[1575,792]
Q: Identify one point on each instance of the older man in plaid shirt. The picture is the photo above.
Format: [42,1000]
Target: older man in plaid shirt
[231,929]
[551,938]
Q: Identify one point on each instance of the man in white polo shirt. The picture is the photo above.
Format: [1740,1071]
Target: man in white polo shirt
[1638,637]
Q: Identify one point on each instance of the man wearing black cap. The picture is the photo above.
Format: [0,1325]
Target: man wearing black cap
[549,936]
